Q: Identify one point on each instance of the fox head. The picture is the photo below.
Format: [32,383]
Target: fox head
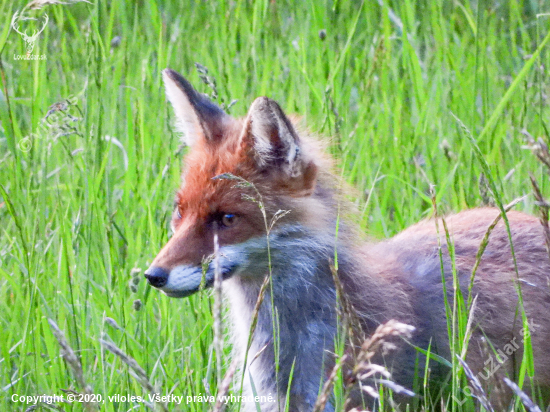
[236,169]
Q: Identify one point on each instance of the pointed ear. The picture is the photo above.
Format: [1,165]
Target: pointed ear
[277,149]
[197,117]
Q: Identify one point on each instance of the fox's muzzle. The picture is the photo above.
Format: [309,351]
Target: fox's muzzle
[181,281]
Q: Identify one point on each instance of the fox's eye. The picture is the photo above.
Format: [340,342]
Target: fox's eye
[178,212]
[229,219]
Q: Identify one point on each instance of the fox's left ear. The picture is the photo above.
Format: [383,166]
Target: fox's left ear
[277,149]
[198,118]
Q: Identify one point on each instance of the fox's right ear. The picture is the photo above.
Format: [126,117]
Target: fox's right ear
[277,149]
[197,117]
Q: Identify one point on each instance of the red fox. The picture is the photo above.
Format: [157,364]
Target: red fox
[399,278]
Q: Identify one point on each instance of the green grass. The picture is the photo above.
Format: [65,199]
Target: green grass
[385,85]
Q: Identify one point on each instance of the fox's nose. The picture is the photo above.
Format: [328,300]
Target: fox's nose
[157,277]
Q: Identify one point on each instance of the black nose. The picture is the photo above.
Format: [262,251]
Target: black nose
[157,277]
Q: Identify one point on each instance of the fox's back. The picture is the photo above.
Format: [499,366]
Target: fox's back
[415,257]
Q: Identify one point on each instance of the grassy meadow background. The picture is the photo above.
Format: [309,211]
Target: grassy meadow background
[86,194]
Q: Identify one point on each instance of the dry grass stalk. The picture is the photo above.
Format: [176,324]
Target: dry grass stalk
[434,201]
[74,363]
[111,322]
[218,338]
[543,208]
[484,191]
[135,370]
[447,150]
[256,310]
[468,332]
[485,240]
[347,312]
[364,368]
[208,80]
[322,399]
[395,387]
[538,147]
[379,339]
[475,385]
[541,151]
[223,388]
[527,402]
[366,349]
